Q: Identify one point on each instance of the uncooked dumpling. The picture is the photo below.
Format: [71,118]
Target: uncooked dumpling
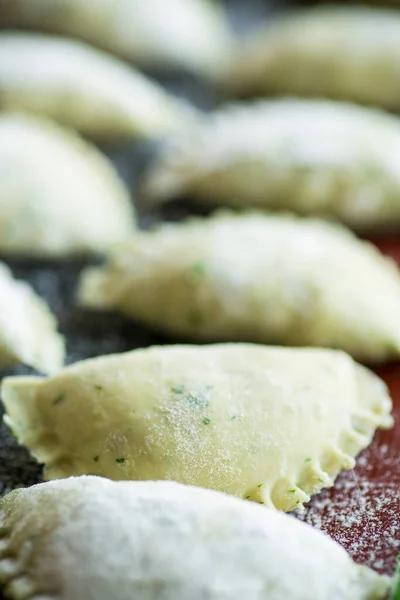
[88,537]
[271,424]
[84,88]
[190,34]
[58,195]
[28,330]
[313,157]
[260,278]
[352,53]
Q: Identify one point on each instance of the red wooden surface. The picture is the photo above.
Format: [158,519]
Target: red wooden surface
[362,510]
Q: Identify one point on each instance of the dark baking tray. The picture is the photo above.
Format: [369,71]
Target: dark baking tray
[362,510]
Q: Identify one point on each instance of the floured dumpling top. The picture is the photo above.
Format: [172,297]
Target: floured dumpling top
[273,425]
[346,52]
[313,157]
[28,330]
[58,195]
[190,34]
[255,277]
[84,88]
[88,537]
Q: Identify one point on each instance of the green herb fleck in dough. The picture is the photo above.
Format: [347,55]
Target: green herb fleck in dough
[178,389]
[259,485]
[98,387]
[199,269]
[233,417]
[60,398]
[307,460]
[261,502]
[321,480]
[120,460]
[198,400]
[206,420]
[96,459]
[292,491]
[247,497]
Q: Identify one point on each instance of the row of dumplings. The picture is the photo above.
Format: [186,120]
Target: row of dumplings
[270,424]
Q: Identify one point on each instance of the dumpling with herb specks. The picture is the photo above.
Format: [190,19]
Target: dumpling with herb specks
[314,157]
[84,88]
[274,425]
[190,34]
[88,537]
[255,277]
[28,329]
[59,196]
[350,53]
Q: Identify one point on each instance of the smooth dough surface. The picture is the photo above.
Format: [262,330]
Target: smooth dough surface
[84,88]
[314,157]
[350,53]
[190,34]
[28,330]
[255,277]
[59,196]
[90,538]
[274,425]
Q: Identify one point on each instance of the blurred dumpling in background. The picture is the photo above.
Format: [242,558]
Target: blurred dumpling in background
[189,34]
[256,277]
[28,329]
[344,52]
[84,88]
[59,196]
[312,156]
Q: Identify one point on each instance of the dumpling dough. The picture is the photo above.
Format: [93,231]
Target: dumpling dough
[88,537]
[58,195]
[351,53]
[28,330]
[271,424]
[190,34]
[84,88]
[313,157]
[259,278]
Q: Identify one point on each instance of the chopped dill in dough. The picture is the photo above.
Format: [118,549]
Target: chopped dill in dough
[120,460]
[199,269]
[60,398]
[96,459]
[98,387]
[292,491]
[178,389]
[206,420]
[260,485]
[307,460]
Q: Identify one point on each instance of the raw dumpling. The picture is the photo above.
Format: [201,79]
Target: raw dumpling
[58,195]
[28,330]
[84,88]
[271,424]
[260,278]
[189,34]
[88,537]
[351,53]
[313,157]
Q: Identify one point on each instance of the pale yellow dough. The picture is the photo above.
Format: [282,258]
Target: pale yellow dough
[59,196]
[274,425]
[255,277]
[312,156]
[350,53]
[84,88]
[28,330]
[88,537]
[190,34]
